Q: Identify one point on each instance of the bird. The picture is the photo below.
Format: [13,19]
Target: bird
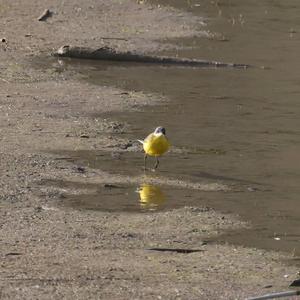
[155,144]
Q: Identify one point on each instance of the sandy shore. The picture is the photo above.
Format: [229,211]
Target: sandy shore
[50,252]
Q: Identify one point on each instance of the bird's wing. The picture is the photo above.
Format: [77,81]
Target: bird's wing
[147,139]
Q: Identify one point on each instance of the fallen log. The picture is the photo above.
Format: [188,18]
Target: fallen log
[107,53]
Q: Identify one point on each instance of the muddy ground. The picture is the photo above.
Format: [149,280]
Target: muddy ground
[54,252]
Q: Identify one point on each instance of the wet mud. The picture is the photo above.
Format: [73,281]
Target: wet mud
[79,217]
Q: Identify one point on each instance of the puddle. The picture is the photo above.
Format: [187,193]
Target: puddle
[127,198]
[130,188]
[251,116]
[133,199]
[130,164]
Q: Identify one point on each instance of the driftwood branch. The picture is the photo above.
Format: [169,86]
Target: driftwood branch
[295,283]
[106,53]
[276,295]
[45,15]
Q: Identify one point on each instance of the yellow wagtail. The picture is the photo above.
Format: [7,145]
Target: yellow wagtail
[155,144]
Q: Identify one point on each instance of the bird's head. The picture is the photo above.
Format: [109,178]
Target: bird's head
[160,130]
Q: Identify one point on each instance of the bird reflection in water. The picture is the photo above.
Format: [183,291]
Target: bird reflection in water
[151,197]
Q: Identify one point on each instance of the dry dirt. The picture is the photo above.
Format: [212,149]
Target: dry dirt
[50,252]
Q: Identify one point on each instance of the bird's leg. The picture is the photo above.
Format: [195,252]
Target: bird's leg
[145,158]
[157,163]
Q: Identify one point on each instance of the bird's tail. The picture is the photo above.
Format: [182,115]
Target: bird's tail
[142,142]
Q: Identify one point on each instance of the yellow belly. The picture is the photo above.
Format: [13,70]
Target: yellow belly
[156,145]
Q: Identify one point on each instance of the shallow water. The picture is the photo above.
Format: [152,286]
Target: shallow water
[122,197]
[251,116]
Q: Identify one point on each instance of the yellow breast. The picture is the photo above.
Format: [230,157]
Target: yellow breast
[156,145]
